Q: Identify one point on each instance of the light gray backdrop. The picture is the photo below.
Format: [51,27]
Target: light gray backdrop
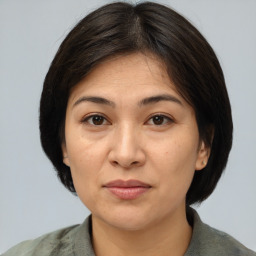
[32,201]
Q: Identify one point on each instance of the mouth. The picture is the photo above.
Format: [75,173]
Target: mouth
[127,190]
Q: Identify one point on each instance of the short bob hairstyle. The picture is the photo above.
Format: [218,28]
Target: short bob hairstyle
[119,29]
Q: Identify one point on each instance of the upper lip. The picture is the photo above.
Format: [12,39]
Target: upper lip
[126,184]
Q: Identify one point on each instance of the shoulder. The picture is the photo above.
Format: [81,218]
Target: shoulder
[221,242]
[210,241]
[54,243]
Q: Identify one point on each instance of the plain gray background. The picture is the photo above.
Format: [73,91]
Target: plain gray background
[32,201]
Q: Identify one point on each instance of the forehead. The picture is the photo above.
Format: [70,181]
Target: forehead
[130,76]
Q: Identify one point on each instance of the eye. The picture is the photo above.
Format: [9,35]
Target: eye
[159,120]
[95,120]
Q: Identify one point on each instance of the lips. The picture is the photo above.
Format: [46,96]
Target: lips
[127,190]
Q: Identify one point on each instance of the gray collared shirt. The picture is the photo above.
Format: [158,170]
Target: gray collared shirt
[76,241]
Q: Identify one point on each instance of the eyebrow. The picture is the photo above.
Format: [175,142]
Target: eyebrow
[158,98]
[94,99]
[143,102]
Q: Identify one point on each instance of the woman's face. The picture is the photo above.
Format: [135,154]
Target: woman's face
[132,143]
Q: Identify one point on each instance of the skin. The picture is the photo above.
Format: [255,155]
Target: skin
[156,143]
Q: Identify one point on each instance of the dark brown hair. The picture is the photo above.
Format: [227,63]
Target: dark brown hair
[122,28]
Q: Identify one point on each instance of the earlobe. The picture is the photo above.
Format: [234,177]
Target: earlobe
[66,161]
[202,157]
[65,155]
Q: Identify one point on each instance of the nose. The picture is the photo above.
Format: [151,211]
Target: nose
[126,148]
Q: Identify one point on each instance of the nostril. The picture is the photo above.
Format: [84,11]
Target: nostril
[115,162]
[125,165]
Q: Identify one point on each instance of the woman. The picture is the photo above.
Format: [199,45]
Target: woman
[136,119]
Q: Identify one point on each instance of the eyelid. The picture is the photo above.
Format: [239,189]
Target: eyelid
[85,118]
[169,118]
[166,116]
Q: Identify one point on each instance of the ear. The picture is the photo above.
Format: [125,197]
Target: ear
[65,155]
[202,156]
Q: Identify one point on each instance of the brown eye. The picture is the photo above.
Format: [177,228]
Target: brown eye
[95,120]
[159,120]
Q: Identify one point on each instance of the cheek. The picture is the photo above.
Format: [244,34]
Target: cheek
[81,149]
[178,152]
[84,162]
[175,159]
[84,170]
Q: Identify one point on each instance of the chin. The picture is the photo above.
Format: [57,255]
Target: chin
[127,220]
[128,224]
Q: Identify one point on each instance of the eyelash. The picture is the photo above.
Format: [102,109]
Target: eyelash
[87,118]
[167,119]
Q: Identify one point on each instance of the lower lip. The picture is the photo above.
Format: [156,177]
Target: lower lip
[128,193]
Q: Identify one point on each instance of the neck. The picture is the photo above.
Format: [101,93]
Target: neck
[172,234]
